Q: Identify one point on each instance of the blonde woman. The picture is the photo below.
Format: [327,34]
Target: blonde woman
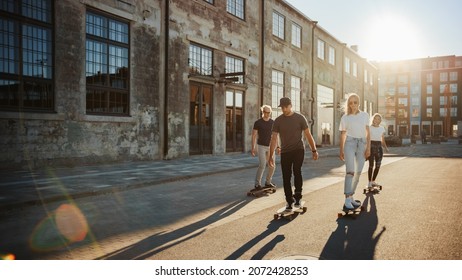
[355,146]
[377,142]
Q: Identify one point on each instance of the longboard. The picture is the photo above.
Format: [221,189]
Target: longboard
[282,213]
[346,212]
[261,192]
[373,189]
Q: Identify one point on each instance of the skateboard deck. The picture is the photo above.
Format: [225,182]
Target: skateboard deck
[282,213]
[374,189]
[346,212]
[261,192]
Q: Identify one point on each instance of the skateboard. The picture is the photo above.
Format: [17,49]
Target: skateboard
[374,189]
[346,212]
[282,213]
[261,192]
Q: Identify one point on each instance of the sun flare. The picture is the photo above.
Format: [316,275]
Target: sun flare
[391,38]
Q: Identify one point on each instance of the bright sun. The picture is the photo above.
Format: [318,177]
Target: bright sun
[391,38]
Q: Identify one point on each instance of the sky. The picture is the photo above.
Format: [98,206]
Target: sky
[387,30]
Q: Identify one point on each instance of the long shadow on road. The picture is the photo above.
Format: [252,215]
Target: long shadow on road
[157,243]
[355,238]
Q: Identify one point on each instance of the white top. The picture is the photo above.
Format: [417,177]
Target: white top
[355,125]
[376,132]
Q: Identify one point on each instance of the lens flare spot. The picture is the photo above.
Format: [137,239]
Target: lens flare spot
[7,257]
[71,223]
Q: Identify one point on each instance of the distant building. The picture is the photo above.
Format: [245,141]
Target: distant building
[421,94]
[108,80]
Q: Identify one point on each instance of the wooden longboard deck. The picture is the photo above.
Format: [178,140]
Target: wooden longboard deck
[282,213]
[351,212]
[262,191]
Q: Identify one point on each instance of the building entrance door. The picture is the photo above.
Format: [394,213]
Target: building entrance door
[200,116]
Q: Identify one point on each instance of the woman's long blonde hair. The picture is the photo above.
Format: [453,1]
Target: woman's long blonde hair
[347,102]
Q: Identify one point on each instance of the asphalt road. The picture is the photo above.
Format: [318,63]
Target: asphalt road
[416,216]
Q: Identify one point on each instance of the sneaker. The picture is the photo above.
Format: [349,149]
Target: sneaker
[270,185]
[258,187]
[288,207]
[297,204]
[374,184]
[355,203]
[348,203]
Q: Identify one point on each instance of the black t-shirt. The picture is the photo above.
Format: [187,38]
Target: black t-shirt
[264,131]
[290,129]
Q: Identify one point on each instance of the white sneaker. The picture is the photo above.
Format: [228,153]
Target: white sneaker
[355,203]
[348,203]
[374,184]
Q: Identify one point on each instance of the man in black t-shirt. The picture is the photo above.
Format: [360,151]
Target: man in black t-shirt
[261,137]
[290,128]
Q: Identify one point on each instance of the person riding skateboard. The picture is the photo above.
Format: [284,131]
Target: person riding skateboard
[290,128]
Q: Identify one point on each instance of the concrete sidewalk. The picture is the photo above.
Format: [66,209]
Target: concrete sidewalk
[20,188]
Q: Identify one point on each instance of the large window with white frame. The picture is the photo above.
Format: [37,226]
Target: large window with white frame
[355,69]
[236,8]
[347,65]
[295,93]
[26,55]
[277,88]
[453,76]
[296,35]
[278,25]
[331,55]
[320,50]
[107,64]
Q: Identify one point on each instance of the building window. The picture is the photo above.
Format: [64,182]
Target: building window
[355,69]
[107,65]
[429,112]
[331,55]
[453,88]
[26,55]
[402,90]
[236,8]
[277,89]
[402,102]
[200,60]
[429,101]
[295,93]
[235,65]
[321,49]
[429,89]
[443,100]
[365,76]
[296,35]
[278,25]
[443,112]
[371,79]
[453,76]
[443,77]
[444,88]
[429,78]
[347,65]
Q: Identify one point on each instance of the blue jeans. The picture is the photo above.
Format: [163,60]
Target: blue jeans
[354,160]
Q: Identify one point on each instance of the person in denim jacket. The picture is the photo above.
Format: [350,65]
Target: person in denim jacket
[355,146]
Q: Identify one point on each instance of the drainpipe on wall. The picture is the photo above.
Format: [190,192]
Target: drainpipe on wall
[167,38]
[262,52]
[312,76]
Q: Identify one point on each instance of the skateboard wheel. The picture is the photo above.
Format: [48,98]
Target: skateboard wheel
[305,209]
[276,216]
[365,191]
[380,187]
[339,215]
